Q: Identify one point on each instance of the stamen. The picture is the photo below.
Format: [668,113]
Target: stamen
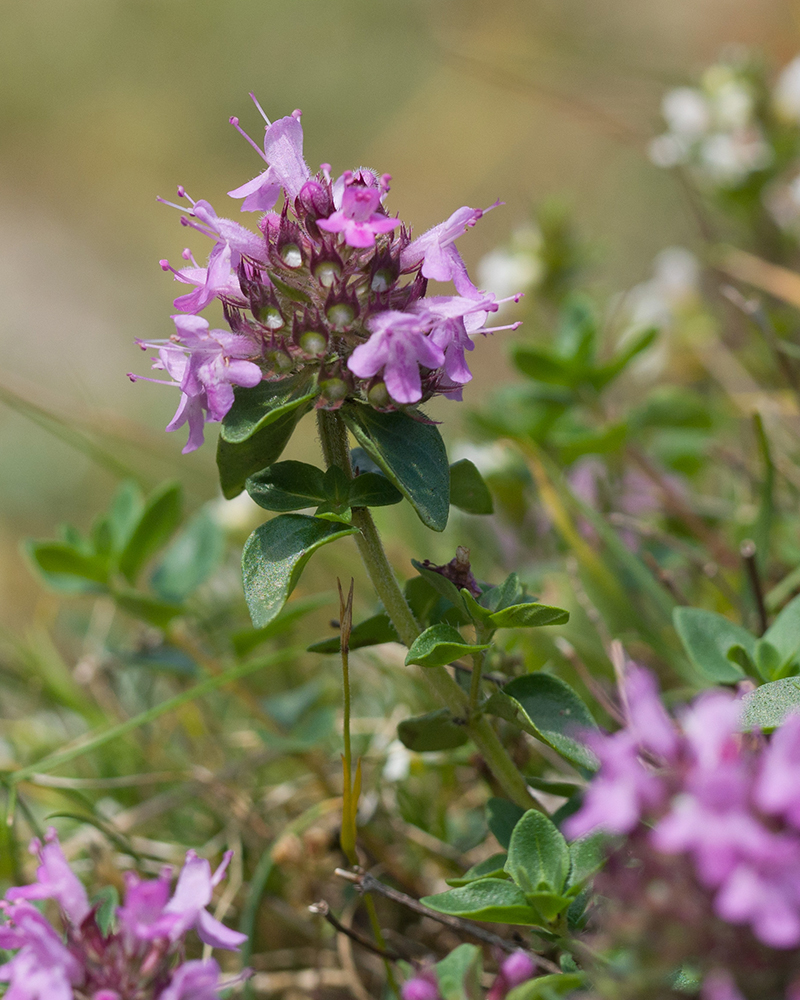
[235,122]
[261,111]
[496,329]
[143,378]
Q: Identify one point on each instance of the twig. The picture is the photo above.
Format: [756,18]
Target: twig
[748,553]
[754,310]
[364,882]
[324,910]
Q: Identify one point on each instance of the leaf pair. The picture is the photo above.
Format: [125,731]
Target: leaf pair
[723,651]
[537,882]
[288,486]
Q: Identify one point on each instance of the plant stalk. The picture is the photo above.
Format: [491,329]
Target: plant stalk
[333,437]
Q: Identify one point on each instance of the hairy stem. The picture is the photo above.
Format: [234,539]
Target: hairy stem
[333,437]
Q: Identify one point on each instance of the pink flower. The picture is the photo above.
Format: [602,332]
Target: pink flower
[398,346]
[287,170]
[648,721]
[358,219]
[205,364]
[196,980]
[216,281]
[54,880]
[777,790]
[436,250]
[719,985]
[43,968]
[620,793]
[187,908]
[144,904]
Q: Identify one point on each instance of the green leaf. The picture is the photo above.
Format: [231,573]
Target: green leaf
[541,365]
[237,462]
[190,559]
[707,637]
[604,374]
[255,408]
[66,569]
[468,491]
[548,987]
[440,645]
[159,519]
[274,557]
[566,789]
[767,706]
[494,900]
[146,608]
[459,974]
[556,714]
[371,632]
[413,456]
[106,901]
[586,857]
[531,615]
[286,486]
[784,633]
[493,867]
[501,818]
[538,856]
[126,509]
[372,490]
[433,731]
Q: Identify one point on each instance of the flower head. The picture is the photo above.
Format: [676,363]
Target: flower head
[331,283]
[139,956]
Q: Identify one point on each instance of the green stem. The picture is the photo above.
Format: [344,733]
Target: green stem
[333,437]
[475,683]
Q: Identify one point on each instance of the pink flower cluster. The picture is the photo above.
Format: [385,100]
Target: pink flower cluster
[331,282]
[135,958]
[727,800]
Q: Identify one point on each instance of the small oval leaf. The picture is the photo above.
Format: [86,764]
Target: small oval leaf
[556,714]
[468,491]
[440,645]
[767,706]
[433,731]
[494,900]
[413,456]
[274,557]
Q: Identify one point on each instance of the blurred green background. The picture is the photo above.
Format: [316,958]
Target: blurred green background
[107,103]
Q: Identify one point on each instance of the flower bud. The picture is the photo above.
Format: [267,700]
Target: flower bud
[270,315]
[378,395]
[333,391]
[314,200]
[420,988]
[326,272]
[313,342]
[518,968]
[280,360]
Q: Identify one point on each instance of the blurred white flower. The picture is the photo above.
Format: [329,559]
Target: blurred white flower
[729,158]
[686,111]
[237,515]
[786,95]
[657,302]
[514,268]
[398,762]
